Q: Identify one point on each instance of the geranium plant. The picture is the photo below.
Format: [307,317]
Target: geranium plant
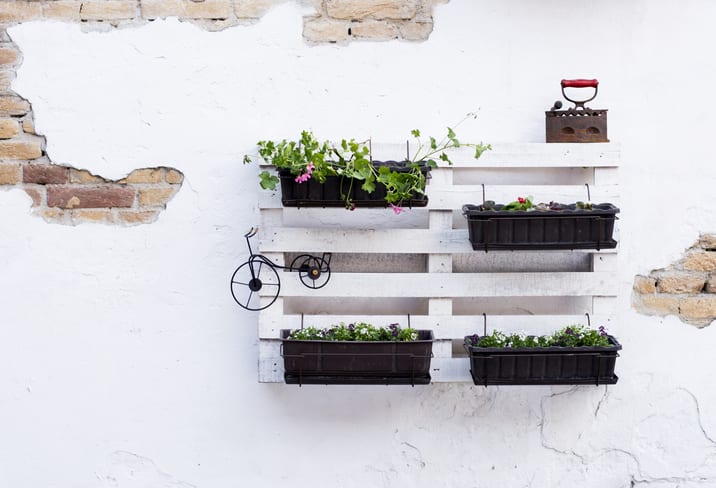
[359,331]
[526,203]
[308,158]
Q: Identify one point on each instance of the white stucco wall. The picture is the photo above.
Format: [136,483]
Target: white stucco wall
[125,363]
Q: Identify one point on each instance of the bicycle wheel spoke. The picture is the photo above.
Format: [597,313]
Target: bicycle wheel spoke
[248,302]
[240,283]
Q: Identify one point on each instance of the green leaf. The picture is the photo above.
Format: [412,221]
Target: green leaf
[247,159]
[415,132]
[433,143]
[481,148]
[268,181]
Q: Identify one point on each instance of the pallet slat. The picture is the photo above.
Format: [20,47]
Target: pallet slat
[453,285]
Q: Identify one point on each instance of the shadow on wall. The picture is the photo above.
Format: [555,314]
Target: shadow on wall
[686,288]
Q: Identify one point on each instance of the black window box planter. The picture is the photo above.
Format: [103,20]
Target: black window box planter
[544,365]
[570,228]
[357,362]
[332,193]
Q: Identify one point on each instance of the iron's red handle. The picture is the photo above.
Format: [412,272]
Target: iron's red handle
[579,83]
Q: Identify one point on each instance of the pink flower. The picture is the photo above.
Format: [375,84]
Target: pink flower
[521,200]
[396,209]
[307,175]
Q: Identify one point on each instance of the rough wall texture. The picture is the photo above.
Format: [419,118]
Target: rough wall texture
[332,20]
[67,195]
[686,288]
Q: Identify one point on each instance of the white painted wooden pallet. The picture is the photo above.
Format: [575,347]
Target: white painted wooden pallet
[438,232]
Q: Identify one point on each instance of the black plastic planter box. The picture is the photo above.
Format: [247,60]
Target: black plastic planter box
[332,193]
[544,365]
[357,362]
[570,228]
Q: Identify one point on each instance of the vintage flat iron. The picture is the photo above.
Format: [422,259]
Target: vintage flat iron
[579,123]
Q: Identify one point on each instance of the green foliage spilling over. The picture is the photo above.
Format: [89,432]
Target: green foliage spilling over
[309,158]
[572,336]
[359,331]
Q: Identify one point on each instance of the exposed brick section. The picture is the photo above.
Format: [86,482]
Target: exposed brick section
[138,217]
[686,288]
[13,105]
[155,197]
[680,283]
[9,128]
[252,9]
[21,149]
[657,304]
[708,242]
[148,175]
[85,177]
[644,284]
[19,10]
[59,193]
[98,216]
[9,174]
[69,197]
[7,76]
[36,195]
[207,9]
[109,10]
[698,310]
[65,10]
[700,260]
[341,21]
[415,31]
[374,9]
[374,29]
[174,177]
[44,174]
[711,284]
[9,56]
[323,30]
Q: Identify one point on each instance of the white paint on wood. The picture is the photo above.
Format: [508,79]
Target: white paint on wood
[447,285]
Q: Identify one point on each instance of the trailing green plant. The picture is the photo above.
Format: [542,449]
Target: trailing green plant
[571,336]
[359,331]
[308,158]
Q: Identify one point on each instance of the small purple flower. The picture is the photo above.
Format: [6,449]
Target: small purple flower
[602,331]
[569,331]
[351,327]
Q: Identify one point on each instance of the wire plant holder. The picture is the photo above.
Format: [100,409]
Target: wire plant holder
[566,229]
[328,362]
[552,365]
[259,273]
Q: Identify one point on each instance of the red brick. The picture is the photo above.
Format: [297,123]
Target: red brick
[45,174]
[90,197]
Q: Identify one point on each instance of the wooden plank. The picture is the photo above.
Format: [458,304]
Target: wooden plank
[413,241]
[454,197]
[521,155]
[450,370]
[453,285]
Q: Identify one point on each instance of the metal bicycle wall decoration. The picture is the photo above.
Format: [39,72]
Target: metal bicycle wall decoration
[259,273]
